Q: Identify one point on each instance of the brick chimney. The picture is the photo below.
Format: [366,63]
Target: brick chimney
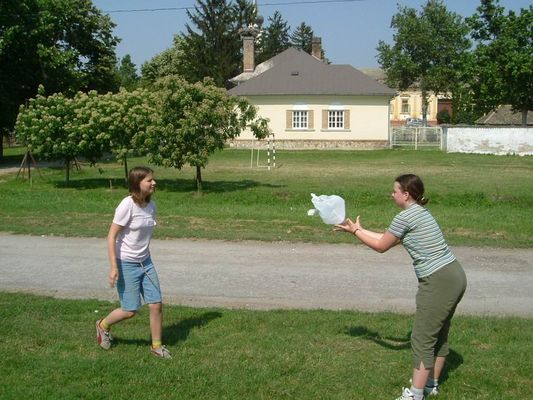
[248,53]
[316,47]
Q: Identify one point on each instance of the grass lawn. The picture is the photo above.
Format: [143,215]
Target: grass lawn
[49,351]
[479,200]
[48,345]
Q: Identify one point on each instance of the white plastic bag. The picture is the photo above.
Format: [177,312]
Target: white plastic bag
[330,208]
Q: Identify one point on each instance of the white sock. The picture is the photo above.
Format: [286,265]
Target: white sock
[417,393]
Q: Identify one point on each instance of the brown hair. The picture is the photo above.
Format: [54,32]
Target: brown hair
[135,177]
[413,185]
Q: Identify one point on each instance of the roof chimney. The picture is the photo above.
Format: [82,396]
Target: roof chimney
[316,47]
[248,50]
[248,36]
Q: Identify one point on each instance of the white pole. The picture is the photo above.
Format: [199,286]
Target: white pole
[268,152]
[273,151]
[252,155]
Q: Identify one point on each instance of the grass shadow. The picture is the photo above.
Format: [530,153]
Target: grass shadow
[453,361]
[179,331]
[174,333]
[166,185]
[92,183]
[11,160]
[189,185]
[392,343]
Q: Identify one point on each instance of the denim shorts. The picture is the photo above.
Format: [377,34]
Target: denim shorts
[136,280]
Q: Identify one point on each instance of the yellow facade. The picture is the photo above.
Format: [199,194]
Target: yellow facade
[366,117]
[408,104]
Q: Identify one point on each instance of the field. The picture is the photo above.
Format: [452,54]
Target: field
[479,200]
[49,352]
[48,345]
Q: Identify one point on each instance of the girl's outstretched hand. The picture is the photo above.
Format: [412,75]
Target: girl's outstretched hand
[347,226]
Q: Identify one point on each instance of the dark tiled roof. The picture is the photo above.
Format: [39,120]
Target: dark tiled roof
[503,115]
[295,72]
[375,73]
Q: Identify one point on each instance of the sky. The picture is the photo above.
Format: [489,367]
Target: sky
[350,29]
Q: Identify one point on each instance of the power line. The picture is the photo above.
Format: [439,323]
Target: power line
[266,4]
[288,3]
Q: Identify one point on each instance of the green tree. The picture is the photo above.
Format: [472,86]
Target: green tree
[275,38]
[66,45]
[127,73]
[429,50]
[502,70]
[195,121]
[171,61]
[116,120]
[302,37]
[58,127]
[212,45]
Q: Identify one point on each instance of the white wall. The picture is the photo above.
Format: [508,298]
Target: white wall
[369,117]
[485,140]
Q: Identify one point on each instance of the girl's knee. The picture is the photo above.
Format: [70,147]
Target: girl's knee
[158,307]
[129,314]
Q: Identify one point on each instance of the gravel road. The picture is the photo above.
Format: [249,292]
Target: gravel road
[259,275]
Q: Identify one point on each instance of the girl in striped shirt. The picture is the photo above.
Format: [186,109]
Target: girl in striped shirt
[441,280]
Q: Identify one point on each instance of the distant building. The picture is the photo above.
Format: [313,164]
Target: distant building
[311,104]
[408,103]
[503,115]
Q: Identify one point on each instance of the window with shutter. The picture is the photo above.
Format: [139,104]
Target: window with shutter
[335,119]
[300,119]
[346,119]
[288,119]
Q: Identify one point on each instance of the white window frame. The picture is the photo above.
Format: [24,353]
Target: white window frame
[300,119]
[335,119]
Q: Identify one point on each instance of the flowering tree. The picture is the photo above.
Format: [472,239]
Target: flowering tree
[195,121]
[118,118]
[57,128]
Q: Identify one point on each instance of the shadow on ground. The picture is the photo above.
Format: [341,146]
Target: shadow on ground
[453,361]
[175,333]
[167,185]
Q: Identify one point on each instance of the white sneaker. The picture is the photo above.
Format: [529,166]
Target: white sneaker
[161,352]
[103,337]
[406,395]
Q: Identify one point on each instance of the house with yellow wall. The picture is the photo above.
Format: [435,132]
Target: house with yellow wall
[311,104]
[408,104]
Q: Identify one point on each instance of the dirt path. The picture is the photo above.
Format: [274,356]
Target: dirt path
[258,275]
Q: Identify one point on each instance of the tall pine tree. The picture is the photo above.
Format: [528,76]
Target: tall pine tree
[213,47]
[127,73]
[302,37]
[275,38]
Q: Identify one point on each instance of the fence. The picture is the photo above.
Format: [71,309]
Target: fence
[417,137]
[500,140]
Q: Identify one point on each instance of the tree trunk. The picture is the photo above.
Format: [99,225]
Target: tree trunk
[1,145]
[198,179]
[126,170]
[524,116]
[67,172]
[424,108]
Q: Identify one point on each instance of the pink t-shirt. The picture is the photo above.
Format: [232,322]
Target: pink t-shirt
[133,242]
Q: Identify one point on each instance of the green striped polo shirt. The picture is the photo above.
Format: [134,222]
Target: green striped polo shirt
[422,238]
